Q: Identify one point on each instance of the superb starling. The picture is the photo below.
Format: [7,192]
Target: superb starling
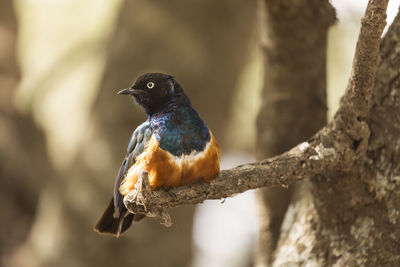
[173,145]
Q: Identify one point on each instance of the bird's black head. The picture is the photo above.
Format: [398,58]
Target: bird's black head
[152,91]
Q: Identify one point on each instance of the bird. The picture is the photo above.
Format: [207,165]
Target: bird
[174,145]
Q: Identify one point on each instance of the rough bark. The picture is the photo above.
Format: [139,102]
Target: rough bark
[351,218]
[294,96]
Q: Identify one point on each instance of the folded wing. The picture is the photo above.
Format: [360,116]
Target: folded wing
[116,218]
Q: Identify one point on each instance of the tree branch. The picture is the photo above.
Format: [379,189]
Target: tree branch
[365,63]
[305,160]
[335,147]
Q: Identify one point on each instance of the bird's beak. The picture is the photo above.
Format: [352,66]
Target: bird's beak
[131,91]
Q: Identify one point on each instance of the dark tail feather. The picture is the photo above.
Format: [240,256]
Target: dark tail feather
[108,224]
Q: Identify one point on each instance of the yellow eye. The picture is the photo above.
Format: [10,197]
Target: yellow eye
[150,85]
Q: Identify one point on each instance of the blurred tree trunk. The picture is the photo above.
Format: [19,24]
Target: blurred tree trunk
[294,39]
[205,51]
[23,160]
[349,217]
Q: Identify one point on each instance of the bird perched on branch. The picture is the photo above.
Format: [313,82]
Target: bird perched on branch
[173,145]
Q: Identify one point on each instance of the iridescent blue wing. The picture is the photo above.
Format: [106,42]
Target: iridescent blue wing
[116,218]
[136,145]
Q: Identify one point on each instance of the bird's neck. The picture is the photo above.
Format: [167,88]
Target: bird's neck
[179,101]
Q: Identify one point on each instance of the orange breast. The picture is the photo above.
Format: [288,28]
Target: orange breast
[166,170]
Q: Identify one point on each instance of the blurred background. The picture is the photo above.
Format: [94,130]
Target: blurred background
[64,131]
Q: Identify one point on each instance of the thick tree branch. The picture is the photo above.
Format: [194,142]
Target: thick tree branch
[334,147]
[365,63]
[304,160]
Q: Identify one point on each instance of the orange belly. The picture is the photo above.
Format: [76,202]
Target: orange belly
[166,170]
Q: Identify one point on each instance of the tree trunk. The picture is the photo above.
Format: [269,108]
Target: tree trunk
[294,96]
[352,218]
